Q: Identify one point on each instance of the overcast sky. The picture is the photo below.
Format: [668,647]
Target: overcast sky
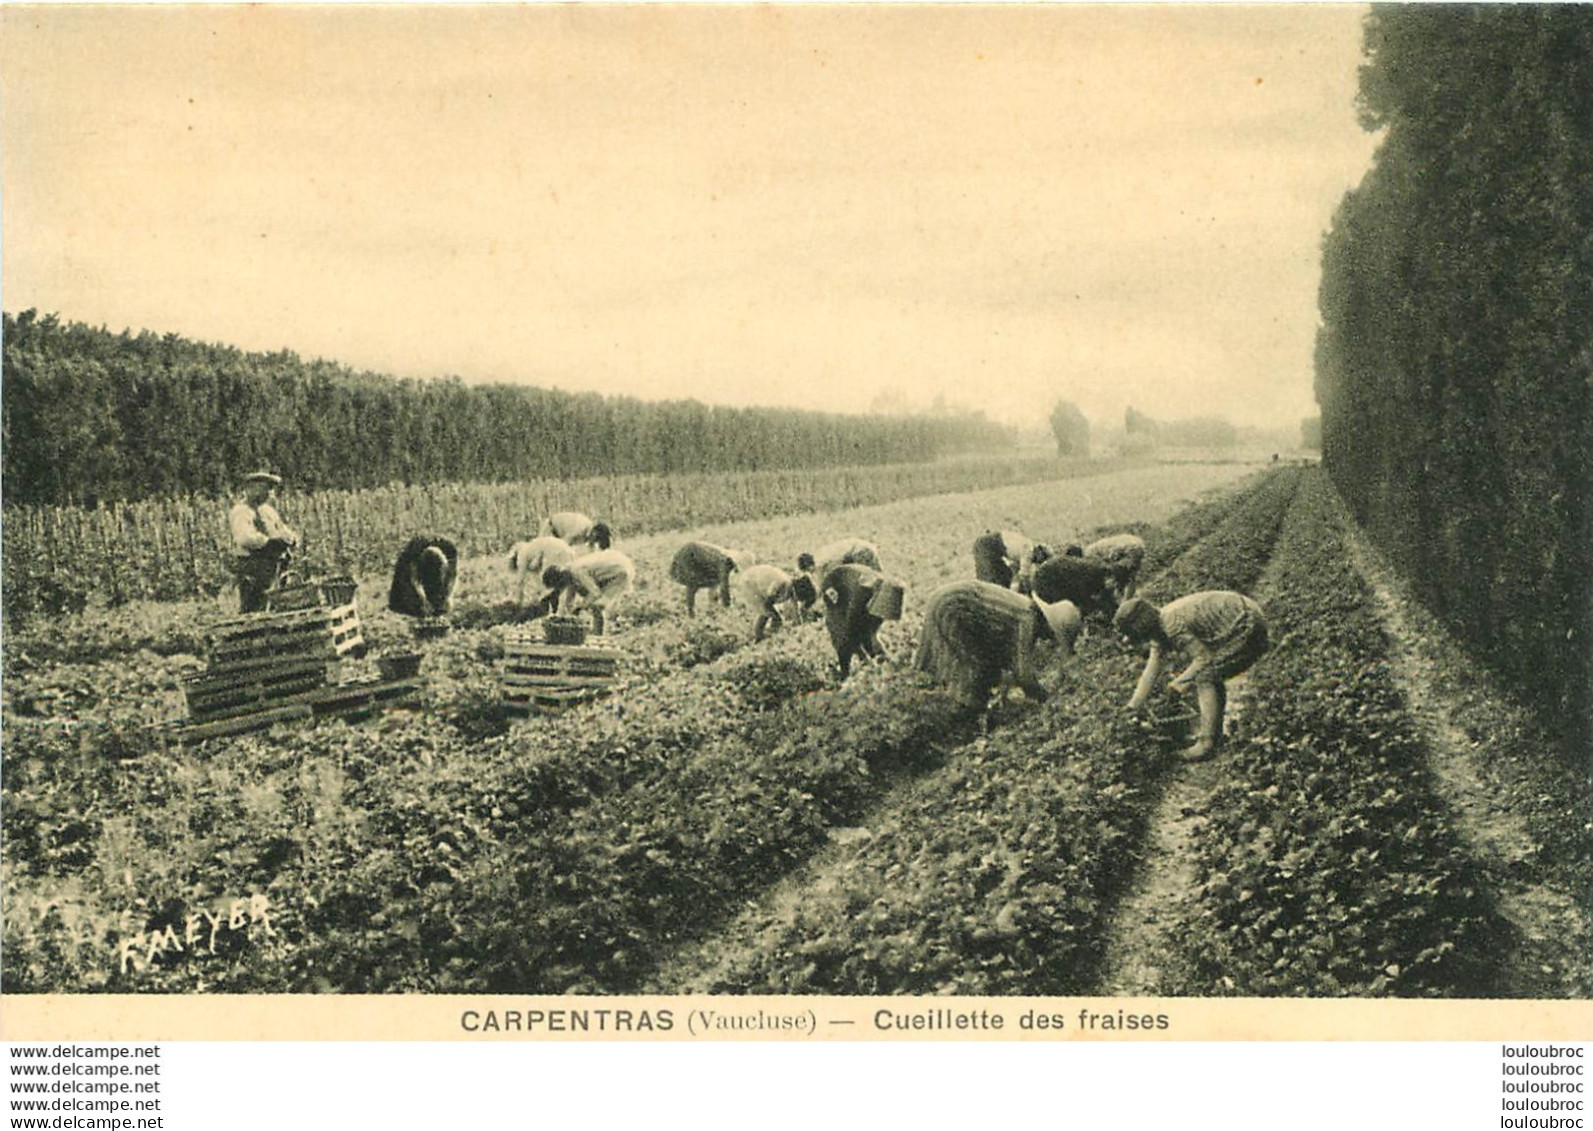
[798,206]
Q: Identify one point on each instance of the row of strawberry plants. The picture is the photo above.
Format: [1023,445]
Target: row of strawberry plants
[993,876]
[589,897]
[1326,864]
[350,822]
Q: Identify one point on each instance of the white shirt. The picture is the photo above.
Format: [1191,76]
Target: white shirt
[253,527]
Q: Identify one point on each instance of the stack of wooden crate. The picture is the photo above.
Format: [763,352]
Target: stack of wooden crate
[543,678]
[277,666]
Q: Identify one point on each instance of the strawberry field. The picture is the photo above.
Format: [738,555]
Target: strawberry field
[734,819]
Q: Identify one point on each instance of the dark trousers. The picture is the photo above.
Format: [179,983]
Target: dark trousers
[257,575]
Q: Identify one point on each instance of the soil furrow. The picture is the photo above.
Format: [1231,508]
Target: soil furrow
[1552,953]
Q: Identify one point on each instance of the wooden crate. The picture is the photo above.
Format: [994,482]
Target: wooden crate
[353,700]
[549,678]
[241,687]
[324,630]
[347,701]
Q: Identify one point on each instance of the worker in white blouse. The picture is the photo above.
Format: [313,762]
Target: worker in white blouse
[261,542]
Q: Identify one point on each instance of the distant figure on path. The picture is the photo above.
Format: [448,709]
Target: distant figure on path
[577,531]
[702,565]
[596,582]
[1226,633]
[1123,554]
[976,634]
[262,543]
[857,601]
[529,560]
[424,577]
[764,588]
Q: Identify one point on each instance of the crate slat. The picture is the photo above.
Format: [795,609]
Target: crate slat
[556,679]
[232,671]
[242,724]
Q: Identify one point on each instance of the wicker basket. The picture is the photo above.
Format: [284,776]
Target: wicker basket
[337,591]
[293,597]
[887,601]
[564,630]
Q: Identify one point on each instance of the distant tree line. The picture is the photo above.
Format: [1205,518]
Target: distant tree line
[1193,432]
[1455,360]
[91,416]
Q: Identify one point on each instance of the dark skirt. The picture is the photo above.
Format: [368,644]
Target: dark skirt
[436,576]
[970,636]
[1240,648]
[697,565]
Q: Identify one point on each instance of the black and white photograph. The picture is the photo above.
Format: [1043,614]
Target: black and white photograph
[699,502]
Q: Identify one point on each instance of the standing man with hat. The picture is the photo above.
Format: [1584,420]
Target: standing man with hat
[261,541]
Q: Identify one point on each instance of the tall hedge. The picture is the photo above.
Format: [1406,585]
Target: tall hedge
[1455,358]
[95,417]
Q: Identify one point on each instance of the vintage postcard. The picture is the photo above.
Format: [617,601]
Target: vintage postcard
[796,522]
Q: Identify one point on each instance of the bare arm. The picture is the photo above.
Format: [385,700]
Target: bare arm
[1201,662]
[1147,678]
[275,527]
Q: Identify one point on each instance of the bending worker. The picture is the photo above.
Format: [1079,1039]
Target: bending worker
[857,601]
[261,541]
[577,530]
[1226,633]
[595,582]
[976,634]
[1000,556]
[423,578]
[702,565]
[764,588]
[1123,554]
[529,560]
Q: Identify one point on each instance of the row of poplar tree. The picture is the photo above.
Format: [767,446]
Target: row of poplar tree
[93,416]
[1455,360]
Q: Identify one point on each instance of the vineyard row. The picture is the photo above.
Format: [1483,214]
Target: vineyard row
[61,558]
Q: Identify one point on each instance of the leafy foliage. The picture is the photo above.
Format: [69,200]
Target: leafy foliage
[92,416]
[1453,361]
[1326,864]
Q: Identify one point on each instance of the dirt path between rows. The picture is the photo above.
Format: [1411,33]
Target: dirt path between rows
[1138,942]
[1549,956]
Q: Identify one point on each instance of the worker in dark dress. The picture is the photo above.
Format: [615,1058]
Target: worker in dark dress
[424,577]
[1088,584]
[1000,556]
[702,565]
[977,635]
[857,602]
